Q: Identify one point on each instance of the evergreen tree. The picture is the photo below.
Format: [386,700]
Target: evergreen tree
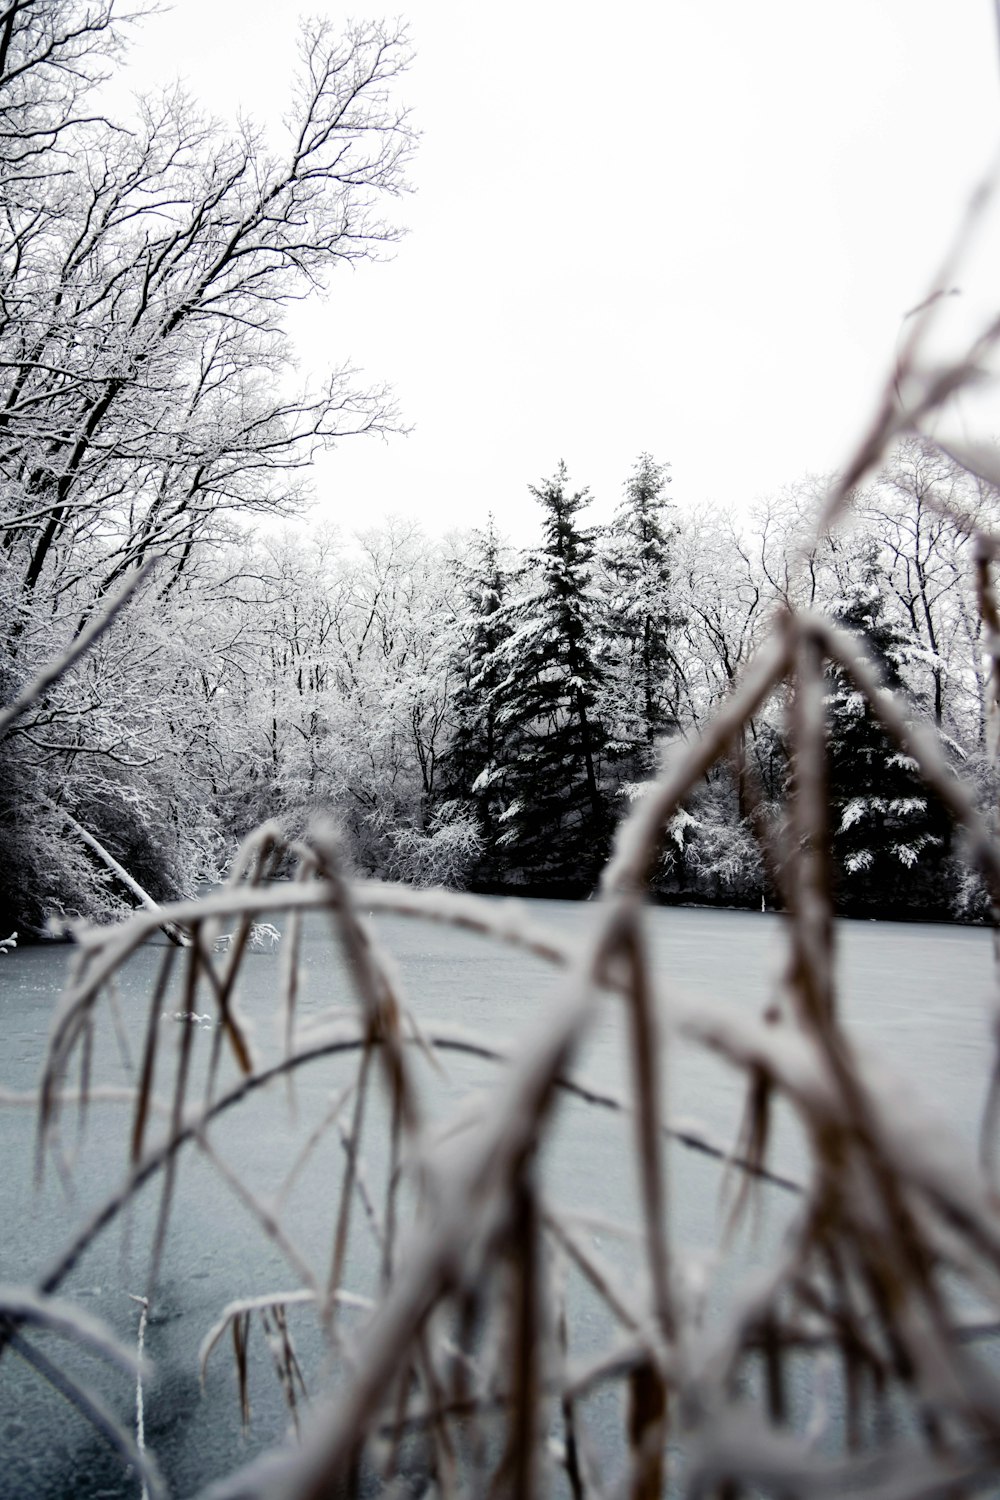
[475,766]
[642,617]
[888,838]
[556,819]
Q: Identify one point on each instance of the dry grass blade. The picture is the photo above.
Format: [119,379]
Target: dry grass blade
[140,1411]
[260,851]
[177,1111]
[445,1464]
[811,936]
[246,1306]
[600,1275]
[517,1474]
[20,1306]
[96,1412]
[346,1202]
[265,1217]
[361,1185]
[375,986]
[86,1069]
[328,1120]
[646,1074]
[289,982]
[647,1431]
[149,1054]
[685,1133]
[567,1401]
[240,1326]
[751,1145]
[286,1363]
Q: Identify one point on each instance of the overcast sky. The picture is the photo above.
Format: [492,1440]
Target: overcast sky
[691,227]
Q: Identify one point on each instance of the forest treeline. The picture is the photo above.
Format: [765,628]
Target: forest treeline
[472,713]
[480,715]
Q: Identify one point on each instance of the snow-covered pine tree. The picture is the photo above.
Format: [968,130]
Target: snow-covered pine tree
[641,618]
[556,818]
[475,765]
[888,837]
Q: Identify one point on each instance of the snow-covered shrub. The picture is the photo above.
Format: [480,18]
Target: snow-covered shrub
[443,854]
[710,853]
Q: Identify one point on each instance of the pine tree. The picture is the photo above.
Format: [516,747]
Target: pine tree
[556,820]
[888,838]
[476,763]
[642,617]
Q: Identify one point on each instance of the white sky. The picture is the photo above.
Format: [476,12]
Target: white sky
[690,226]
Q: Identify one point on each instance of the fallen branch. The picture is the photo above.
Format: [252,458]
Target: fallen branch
[175,933]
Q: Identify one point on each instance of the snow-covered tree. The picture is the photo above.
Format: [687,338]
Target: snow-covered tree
[710,852]
[477,761]
[348,706]
[888,837]
[556,819]
[148,401]
[144,351]
[642,695]
[921,510]
[393,684]
[126,745]
[724,600]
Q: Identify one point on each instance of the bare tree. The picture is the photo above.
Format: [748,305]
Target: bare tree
[147,396]
[922,510]
[145,390]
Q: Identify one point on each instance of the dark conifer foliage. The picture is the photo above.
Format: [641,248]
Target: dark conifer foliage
[888,838]
[476,766]
[556,819]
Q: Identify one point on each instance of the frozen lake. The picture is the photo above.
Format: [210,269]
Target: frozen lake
[920,996]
